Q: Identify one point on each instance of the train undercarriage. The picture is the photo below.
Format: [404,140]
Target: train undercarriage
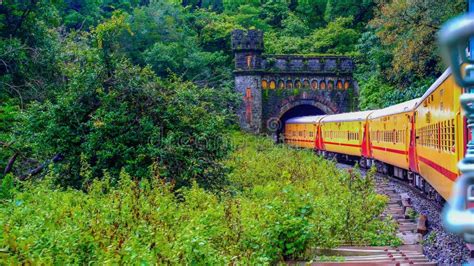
[411,178]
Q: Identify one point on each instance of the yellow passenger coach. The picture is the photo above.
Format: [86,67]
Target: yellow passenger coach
[301,131]
[344,133]
[439,135]
[389,133]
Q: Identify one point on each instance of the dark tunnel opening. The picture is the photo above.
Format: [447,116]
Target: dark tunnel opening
[299,110]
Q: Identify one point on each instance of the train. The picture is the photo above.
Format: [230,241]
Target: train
[419,141]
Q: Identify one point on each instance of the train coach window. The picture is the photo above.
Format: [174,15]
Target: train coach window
[429,131]
[437,134]
[443,135]
[433,136]
[419,133]
[453,135]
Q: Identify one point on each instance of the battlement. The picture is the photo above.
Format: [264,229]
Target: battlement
[307,64]
[248,47]
[247,40]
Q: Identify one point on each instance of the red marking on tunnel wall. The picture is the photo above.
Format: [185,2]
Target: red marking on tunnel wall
[248,105]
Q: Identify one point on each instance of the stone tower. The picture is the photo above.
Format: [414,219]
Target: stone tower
[248,49]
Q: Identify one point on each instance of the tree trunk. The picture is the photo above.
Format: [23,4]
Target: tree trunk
[10,163]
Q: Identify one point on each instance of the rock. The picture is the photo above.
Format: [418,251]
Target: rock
[421,225]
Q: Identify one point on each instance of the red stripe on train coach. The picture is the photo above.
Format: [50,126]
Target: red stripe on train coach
[390,150]
[342,144]
[447,173]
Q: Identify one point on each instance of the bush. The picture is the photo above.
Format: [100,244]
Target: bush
[8,117]
[138,122]
[279,204]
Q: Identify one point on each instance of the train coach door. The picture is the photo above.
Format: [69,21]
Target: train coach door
[412,160]
[366,145]
[319,138]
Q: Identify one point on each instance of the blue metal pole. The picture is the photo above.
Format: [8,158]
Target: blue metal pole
[470,10]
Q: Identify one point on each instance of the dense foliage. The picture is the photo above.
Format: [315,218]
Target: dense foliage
[123,108]
[73,72]
[279,204]
[106,110]
[399,56]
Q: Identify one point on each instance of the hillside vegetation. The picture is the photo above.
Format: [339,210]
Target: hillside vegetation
[279,204]
[126,84]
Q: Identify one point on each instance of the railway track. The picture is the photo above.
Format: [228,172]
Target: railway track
[409,231]
[424,240]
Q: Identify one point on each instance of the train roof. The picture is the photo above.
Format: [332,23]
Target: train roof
[305,119]
[396,109]
[435,85]
[346,117]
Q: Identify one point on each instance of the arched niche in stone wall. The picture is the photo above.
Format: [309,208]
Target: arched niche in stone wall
[264,84]
[298,84]
[347,84]
[306,84]
[330,84]
[314,84]
[281,84]
[289,84]
[272,84]
[339,85]
[322,85]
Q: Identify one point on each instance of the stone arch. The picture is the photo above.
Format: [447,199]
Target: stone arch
[289,84]
[339,85]
[314,84]
[264,84]
[316,107]
[321,106]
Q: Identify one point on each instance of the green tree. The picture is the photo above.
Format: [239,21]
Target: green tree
[408,29]
[313,12]
[113,115]
[338,37]
[29,50]
[360,10]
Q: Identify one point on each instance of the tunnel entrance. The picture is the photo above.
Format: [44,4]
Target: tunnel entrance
[299,110]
